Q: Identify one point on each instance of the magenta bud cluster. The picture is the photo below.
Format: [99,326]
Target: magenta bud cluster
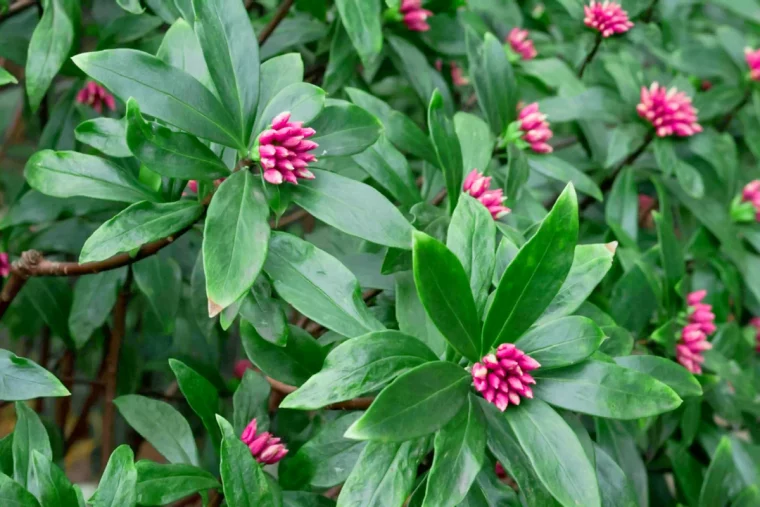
[415,17]
[753,62]
[5,265]
[478,185]
[502,378]
[520,43]
[535,128]
[265,448]
[96,96]
[693,341]
[606,17]
[669,111]
[751,193]
[284,151]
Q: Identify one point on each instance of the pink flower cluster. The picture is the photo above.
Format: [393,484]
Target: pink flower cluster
[283,150]
[266,449]
[95,96]
[503,378]
[751,193]
[5,265]
[192,185]
[608,18]
[520,43]
[694,335]
[415,17]
[478,185]
[753,61]
[535,128]
[755,322]
[670,111]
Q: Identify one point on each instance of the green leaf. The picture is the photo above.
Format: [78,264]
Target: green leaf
[163,484]
[690,179]
[384,474]
[117,486]
[235,239]
[472,238]
[29,437]
[616,441]
[536,274]
[13,494]
[590,264]
[558,169]
[562,342]
[605,390]
[52,486]
[51,297]
[518,172]
[318,286]
[251,401]
[342,62]
[666,371]
[413,64]
[622,209]
[458,457]
[417,403]
[51,42]
[137,225]
[665,155]
[494,81]
[444,290]
[162,91]
[719,476]
[354,208]
[447,148]
[555,453]
[231,52]
[180,48]
[749,496]
[293,364]
[170,153]
[94,299]
[71,174]
[7,78]
[304,101]
[201,395]
[106,135]
[131,6]
[360,366]
[23,379]
[624,140]
[160,279]
[161,425]
[244,481]
[361,19]
[412,317]
[265,313]
[386,165]
[614,487]
[475,140]
[275,75]
[326,459]
[344,129]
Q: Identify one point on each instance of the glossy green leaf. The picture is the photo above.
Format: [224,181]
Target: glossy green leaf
[447,148]
[562,342]
[231,52]
[304,101]
[318,286]
[384,474]
[605,390]
[620,445]
[625,139]
[235,239]
[326,460]
[6,77]
[51,297]
[23,379]
[71,174]
[494,81]
[344,129]
[51,42]
[107,135]
[160,279]
[342,62]
[458,457]
[159,484]
[200,394]
[690,179]
[665,155]
[251,401]
[412,317]
[170,153]
[362,22]
[360,366]
[555,453]
[536,274]
[275,75]
[472,238]
[413,64]
[265,313]
[386,165]
[161,425]
[687,470]
[162,91]
[354,208]
[180,48]
[475,140]
[590,264]
[51,484]
[444,290]
[117,486]
[293,364]
[29,436]
[94,299]
[13,494]
[417,403]
[719,477]
[622,209]
[614,487]
[666,371]
[558,169]
[131,6]
[137,225]
[518,171]
[244,481]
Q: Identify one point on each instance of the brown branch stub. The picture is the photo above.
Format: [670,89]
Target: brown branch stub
[282,11]
[17,8]
[355,404]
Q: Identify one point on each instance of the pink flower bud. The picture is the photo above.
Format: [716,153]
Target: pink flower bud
[753,62]
[477,185]
[669,111]
[608,18]
[240,367]
[415,17]
[5,265]
[265,448]
[696,297]
[535,128]
[499,378]
[520,43]
[96,96]
[283,150]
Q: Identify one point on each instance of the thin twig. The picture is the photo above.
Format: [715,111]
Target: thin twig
[590,56]
[63,404]
[17,8]
[647,17]
[282,11]
[39,403]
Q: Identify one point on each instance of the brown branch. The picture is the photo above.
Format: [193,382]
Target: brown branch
[282,11]
[39,403]
[590,56]
[17,8]
[63,404]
